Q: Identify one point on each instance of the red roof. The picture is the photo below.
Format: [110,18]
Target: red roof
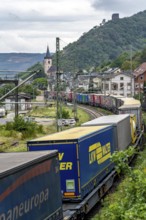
[140,70]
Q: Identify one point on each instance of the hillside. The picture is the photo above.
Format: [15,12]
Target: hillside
[103,44]
[19,61]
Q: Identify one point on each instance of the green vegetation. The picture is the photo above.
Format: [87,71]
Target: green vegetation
[66,112]
[43,112]
[101,45]
[129,199]
[18,131]
[29,89]
[22,130]
[128,202]
[40,83]
[31,70]
[28,129]
[6,88]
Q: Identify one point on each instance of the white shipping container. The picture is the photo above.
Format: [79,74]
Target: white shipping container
[121,125]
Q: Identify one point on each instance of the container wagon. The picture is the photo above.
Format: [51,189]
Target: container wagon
[80,168]
[91,98]
[132,106]
[27,181]
[85,167]
[79,98]
[116,103]
[85,99]
[122,128]
[98,98]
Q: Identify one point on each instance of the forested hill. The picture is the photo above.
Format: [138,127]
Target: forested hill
[104,43]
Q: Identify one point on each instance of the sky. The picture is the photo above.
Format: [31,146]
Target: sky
[30,25]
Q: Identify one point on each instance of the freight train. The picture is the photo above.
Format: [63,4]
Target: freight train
[86,170]
[84,152]
[113,103]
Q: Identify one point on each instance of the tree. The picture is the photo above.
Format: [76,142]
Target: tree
[37,66]
[6,88]
[143,56]
[41,83]
[29,89]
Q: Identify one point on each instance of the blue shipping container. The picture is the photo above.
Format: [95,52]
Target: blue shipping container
[84,155]
[27,186]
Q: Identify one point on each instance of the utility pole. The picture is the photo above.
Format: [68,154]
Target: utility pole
[131,69]
[75,88]
[104,89]
[74,95]
[58,110]
[75,92]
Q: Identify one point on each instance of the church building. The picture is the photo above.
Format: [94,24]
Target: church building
[47,61]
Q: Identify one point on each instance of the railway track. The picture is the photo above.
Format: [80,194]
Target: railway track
[91,111]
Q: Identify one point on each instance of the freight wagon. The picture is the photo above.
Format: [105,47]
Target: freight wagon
[98,98]
[125,132]
[27,181]
[80,168]
[132,106]
[116,103]
[79,97]
[85,167]
[82,98]
[91,99]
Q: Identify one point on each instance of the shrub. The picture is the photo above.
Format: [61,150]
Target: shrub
[64,114]
[27,128]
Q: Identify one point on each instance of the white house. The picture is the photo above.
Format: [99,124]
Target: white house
[118,84]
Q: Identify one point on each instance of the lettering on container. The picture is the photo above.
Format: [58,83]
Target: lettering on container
[64,165]
[99,153]
[26,206]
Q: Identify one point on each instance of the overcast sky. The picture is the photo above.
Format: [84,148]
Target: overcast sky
[31,25]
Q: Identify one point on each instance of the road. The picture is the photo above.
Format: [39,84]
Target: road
[43,121]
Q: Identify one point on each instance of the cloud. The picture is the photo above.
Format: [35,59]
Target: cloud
[126,7]
[40,22]
[108,5]
[29,25]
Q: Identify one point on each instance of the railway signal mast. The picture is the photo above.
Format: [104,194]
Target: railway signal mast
[58,81]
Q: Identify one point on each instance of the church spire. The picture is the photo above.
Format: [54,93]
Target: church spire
[48,56]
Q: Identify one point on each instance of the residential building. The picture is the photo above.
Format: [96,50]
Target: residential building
[140,77]
[121,84]
[23,99]
[113,70]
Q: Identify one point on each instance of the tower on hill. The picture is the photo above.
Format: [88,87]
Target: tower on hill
[115,16]
[47,61]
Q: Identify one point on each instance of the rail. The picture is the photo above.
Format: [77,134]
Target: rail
[92,112]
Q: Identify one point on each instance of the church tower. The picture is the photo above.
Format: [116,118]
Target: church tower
[47,61]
